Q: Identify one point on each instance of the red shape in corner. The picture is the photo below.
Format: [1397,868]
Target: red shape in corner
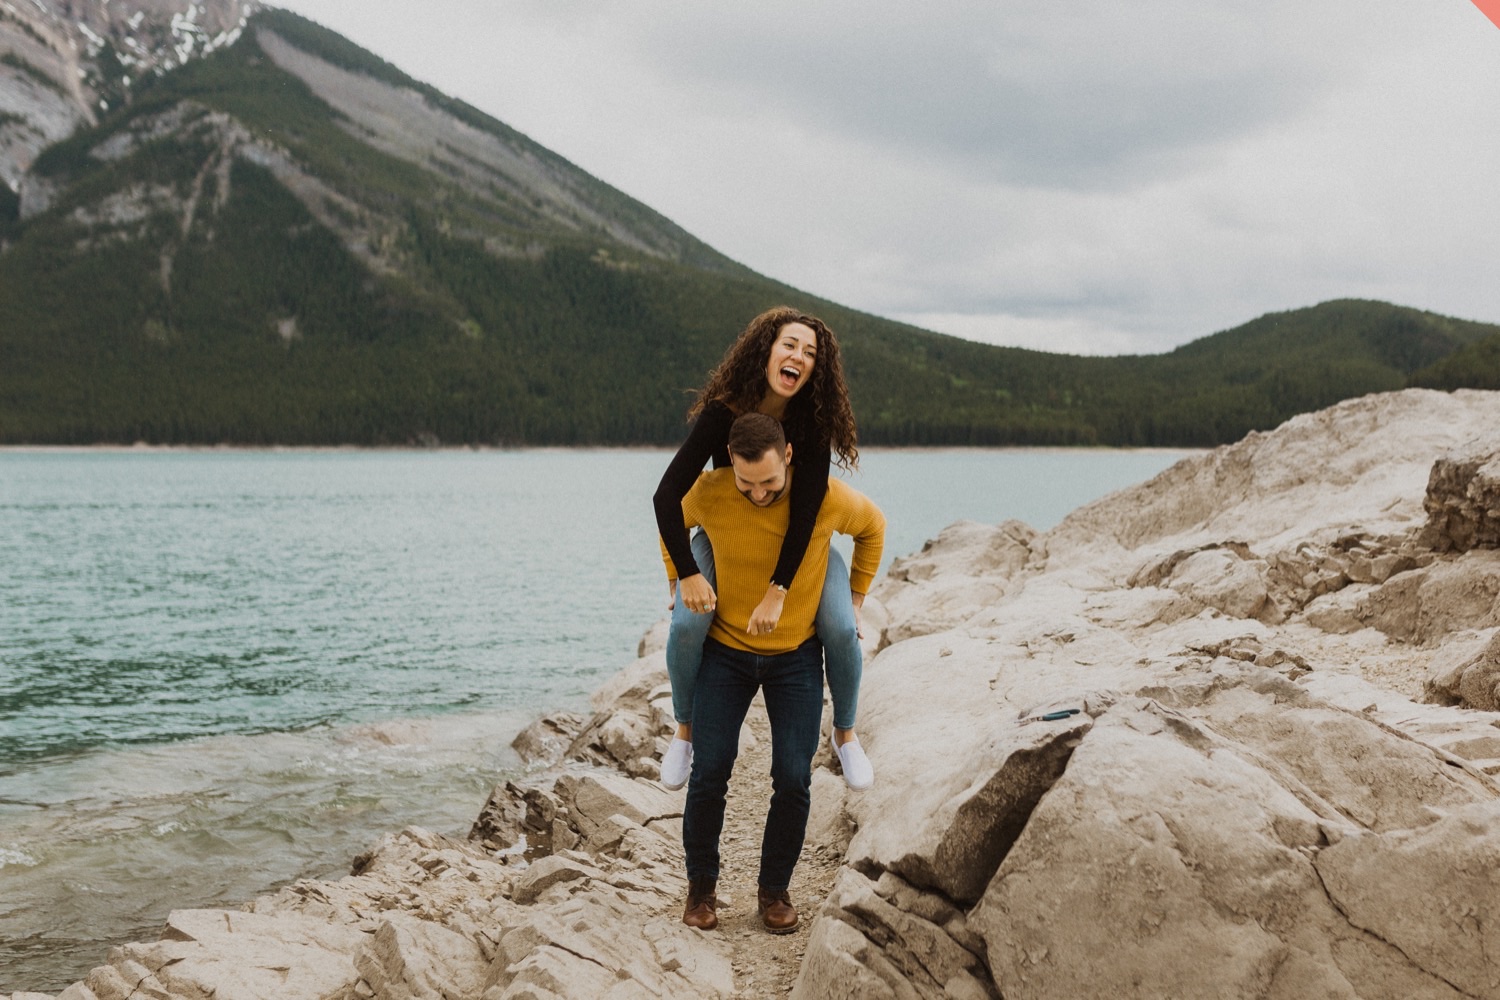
[1490,9]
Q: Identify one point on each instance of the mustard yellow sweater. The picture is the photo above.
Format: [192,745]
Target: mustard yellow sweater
[746,541]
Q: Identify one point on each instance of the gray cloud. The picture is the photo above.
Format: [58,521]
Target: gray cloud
[1043,95]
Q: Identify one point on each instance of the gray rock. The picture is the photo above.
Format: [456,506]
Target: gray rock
[1463,499]
[563,837]
[221,953]
[1432,892]
[547,872]
[501,820]
[1349,770]
[595,797]
[626,736]
[631,712]
[966,569]
[593,945]
[828,822]
[1467,734]
[1221,579]
[631,687]
[1428,605]
[654,639]
[1178,854]
[916,957]
[968,548]
[606,838]
[545,972]
[684,953]
[542,743]
[1339,613]
[1473,682]
[963,842]
[410,959]
[843,964]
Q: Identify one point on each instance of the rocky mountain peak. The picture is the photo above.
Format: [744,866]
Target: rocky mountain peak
[63,63]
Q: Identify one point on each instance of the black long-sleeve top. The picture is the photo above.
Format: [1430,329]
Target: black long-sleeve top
[709,440]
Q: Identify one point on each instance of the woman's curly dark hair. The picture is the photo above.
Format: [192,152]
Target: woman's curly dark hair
[739,382]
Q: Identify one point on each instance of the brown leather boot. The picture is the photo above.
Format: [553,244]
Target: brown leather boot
[776,910]
[702,904]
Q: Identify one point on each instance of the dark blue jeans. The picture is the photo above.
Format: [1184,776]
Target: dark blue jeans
[727,681]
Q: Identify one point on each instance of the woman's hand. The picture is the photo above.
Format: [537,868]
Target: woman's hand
[858,600]
[768,612]
[697,595]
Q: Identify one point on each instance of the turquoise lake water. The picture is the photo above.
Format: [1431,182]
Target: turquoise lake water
[224,670]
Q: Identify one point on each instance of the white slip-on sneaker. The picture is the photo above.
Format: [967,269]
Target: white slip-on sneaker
[859,773]
[677,764]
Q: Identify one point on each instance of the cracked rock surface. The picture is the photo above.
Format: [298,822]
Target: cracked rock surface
[1282,654]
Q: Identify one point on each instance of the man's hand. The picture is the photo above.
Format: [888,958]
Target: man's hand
[859,620]
[697,595]
[768,612]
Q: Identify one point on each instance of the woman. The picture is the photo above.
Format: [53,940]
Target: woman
[785,364]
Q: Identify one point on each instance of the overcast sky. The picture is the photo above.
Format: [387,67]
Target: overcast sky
[1090,177]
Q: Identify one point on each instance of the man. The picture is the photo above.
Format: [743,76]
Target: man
[743,509]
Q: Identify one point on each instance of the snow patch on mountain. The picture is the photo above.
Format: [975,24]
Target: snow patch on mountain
[60,63]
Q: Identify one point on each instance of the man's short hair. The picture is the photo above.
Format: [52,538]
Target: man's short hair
[753,434]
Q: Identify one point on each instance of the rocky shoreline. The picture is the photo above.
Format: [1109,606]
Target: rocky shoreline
[1284,657]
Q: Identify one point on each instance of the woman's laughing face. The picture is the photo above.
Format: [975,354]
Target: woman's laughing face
[793,354]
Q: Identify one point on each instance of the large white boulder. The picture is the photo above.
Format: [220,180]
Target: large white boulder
[1238,807]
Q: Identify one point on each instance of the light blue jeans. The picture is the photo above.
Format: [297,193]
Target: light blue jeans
[843,660]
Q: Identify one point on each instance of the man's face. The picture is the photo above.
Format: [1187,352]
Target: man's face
[763,480]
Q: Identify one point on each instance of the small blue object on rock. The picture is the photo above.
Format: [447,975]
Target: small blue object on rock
[1061,713]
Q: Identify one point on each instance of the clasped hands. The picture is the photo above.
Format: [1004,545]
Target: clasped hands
[698,596]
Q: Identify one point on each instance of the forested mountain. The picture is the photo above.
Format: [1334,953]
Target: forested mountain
[287,240]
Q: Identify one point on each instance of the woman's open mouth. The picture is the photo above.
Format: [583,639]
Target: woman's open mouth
[790,377]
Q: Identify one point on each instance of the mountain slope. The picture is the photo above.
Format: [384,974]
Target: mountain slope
[290,241]
[1254,376]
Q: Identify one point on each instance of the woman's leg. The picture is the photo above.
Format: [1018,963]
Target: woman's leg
[844,662]
[843,659]
[686,635]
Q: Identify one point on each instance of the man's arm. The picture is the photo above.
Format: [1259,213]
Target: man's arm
[864,521]
[666,558]
[866,524]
